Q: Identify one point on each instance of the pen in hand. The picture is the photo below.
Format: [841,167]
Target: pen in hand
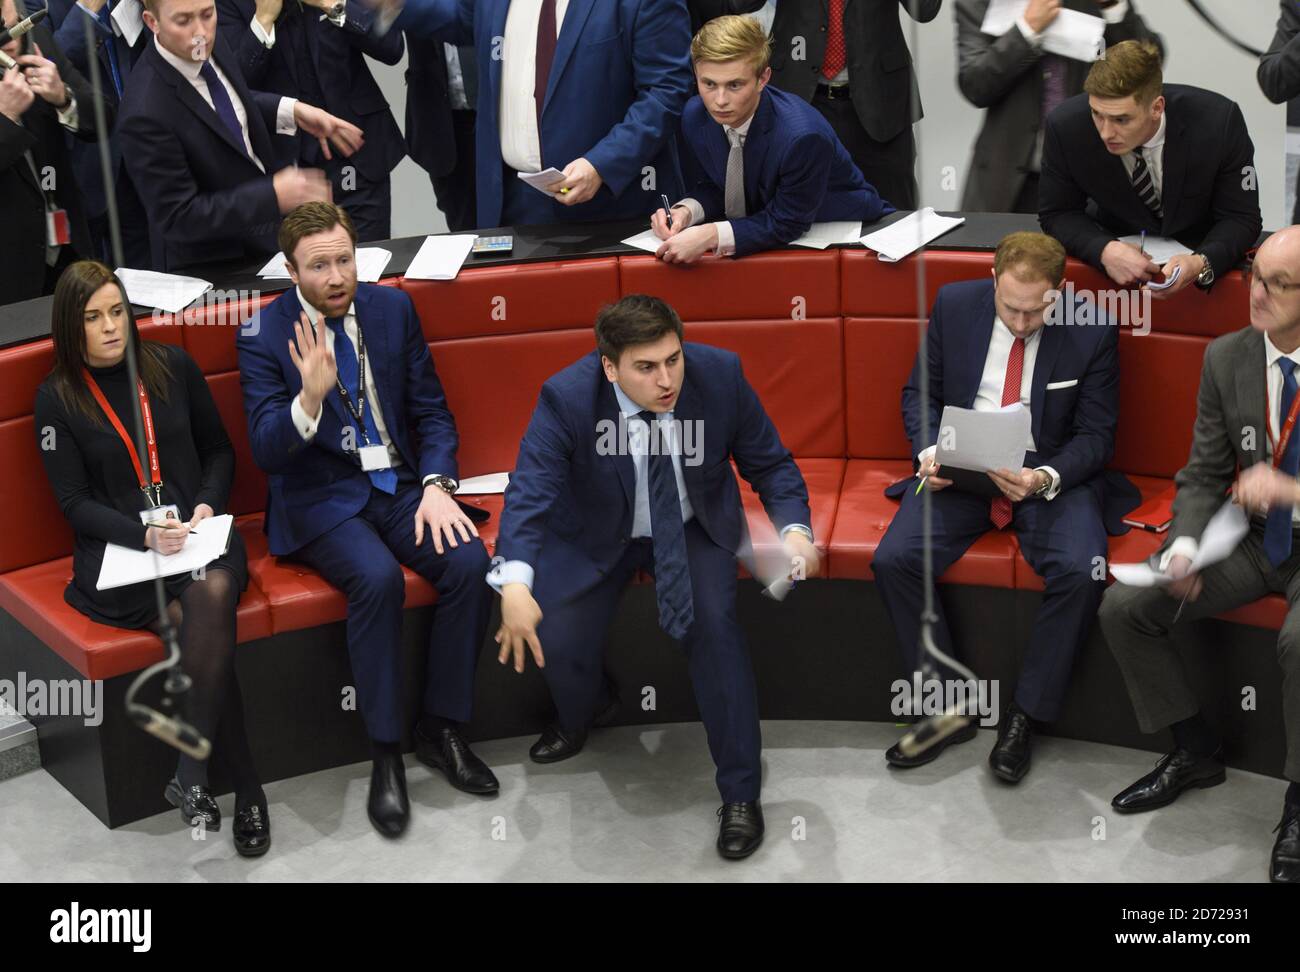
[668,211]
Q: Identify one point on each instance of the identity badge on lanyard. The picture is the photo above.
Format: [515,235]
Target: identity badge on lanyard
[151,487]
[373,456]
[1279,445]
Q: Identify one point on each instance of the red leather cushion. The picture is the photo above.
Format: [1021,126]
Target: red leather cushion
[823,478]
[248,491]
[1159,375]
[872,288]
[772,286]
[32,524]
[492,384]
[794,367]
[878,356]
[209,328]
[514,299]
[865,513]
[1268,612]
[34,596]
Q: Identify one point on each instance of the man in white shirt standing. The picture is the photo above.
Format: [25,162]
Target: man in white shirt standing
[198,147]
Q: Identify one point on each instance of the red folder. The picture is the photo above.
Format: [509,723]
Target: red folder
[1155,514]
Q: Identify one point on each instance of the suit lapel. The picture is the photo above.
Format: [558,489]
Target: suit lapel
[608,410]
[378,356]
[1050,340]
[1252,392]
[1173,166]
[575,18]
[756,144]
[258,136]
[981,335]
[192,100]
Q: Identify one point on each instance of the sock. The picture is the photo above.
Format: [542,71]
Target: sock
[253,796]
[430,725]
[1293,794]
[1195,735]
[378,748]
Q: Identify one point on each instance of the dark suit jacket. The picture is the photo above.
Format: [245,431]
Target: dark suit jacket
[207,200]
[314,486]
[430,135]
[324,66]
[1073,425]
[1002,74]
[569,505]
[1279,68]
[68,21]
[620,77]
[1210,192]
[881,82]
[22,202]
[796,172]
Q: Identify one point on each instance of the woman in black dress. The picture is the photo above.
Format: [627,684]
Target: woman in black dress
[100,482]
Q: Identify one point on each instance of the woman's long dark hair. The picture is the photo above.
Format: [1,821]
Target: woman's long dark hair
[77,284]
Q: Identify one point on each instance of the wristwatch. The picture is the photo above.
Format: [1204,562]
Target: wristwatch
[1047,484]
[444,483]
[802,530]
[337,11]
[1206,276]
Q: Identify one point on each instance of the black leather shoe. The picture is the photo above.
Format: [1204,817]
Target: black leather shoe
[447,751]
[1176,772]
[894,756]
[741,829]
[388,807]
[1284,865]
[195,803]
[252,832]
[556,744]
[1009,759]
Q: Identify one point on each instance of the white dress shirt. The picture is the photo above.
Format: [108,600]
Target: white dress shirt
[1187,546]
[989,396]
[521,143]
[1112,15]
[189,70]
[1154,153]
[726,234]
[267,37]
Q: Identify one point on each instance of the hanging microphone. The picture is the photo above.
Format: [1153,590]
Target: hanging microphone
[23,26]
[174,732]
[6,62]
[934,729]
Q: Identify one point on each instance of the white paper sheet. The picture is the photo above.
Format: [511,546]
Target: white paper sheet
[822,235]
[1072,34]
[372,261]
[129,17]
[440,257]
[483,485]
[1226,529]
[1161,249]
[909,234]
[166,291]
[205,543]
[645,241]
[540,180]
[983,441]
[1167,282]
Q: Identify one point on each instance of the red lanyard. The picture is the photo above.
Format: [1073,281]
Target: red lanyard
[152,489]
[1279,445]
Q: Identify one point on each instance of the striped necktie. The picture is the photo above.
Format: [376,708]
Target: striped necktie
[1145,185]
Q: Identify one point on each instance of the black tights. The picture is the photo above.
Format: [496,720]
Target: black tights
[205,617]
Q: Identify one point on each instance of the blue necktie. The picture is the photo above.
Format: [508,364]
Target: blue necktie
[1277,530]
[345,356]
[672,572]
[110,45]
[221,102]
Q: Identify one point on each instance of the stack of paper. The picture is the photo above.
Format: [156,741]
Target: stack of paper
[205,543]
[1226,529]
[1078,36]
[440,257]
[540,180]
[645,240]
[165,291]
[1161,249]
[909,234]
[484,485]
[371,263]
[983,441]
[822,235]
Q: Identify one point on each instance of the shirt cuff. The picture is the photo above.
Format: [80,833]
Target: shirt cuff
[926,453]
[1113,15]
[1181,547]
[340,21]
[505,572]
[695,209]
[1054,488]
[285,123]
[726,239]
[68,116]
[267,39]
[304,423]
[1034,37]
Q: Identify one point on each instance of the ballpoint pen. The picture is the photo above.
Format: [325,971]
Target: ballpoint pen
[668,211]
[921,484]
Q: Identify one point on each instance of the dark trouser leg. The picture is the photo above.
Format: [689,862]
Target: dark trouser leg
[889,166]
[370,204]
[1064,540]
[455,190]
[1288,657]
[1027,198]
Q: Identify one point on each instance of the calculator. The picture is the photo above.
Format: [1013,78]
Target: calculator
[494,244]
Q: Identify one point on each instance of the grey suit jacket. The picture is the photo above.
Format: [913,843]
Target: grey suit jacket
[1279,69]
[1230,433]
[1001,75]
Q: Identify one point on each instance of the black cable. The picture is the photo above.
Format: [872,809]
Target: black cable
[1219,29]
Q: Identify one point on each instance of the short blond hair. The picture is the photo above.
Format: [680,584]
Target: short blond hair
[1129,68]
[1029,256]
[730,39]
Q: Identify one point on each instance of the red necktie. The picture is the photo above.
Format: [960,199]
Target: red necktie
[546,41]
[833,63]
[1000,512]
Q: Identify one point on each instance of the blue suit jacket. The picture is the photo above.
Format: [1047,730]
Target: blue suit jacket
[569,507]
[314,486]
[206,199]
[1073,425]
[337,56]
[796,172]
[621,74]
